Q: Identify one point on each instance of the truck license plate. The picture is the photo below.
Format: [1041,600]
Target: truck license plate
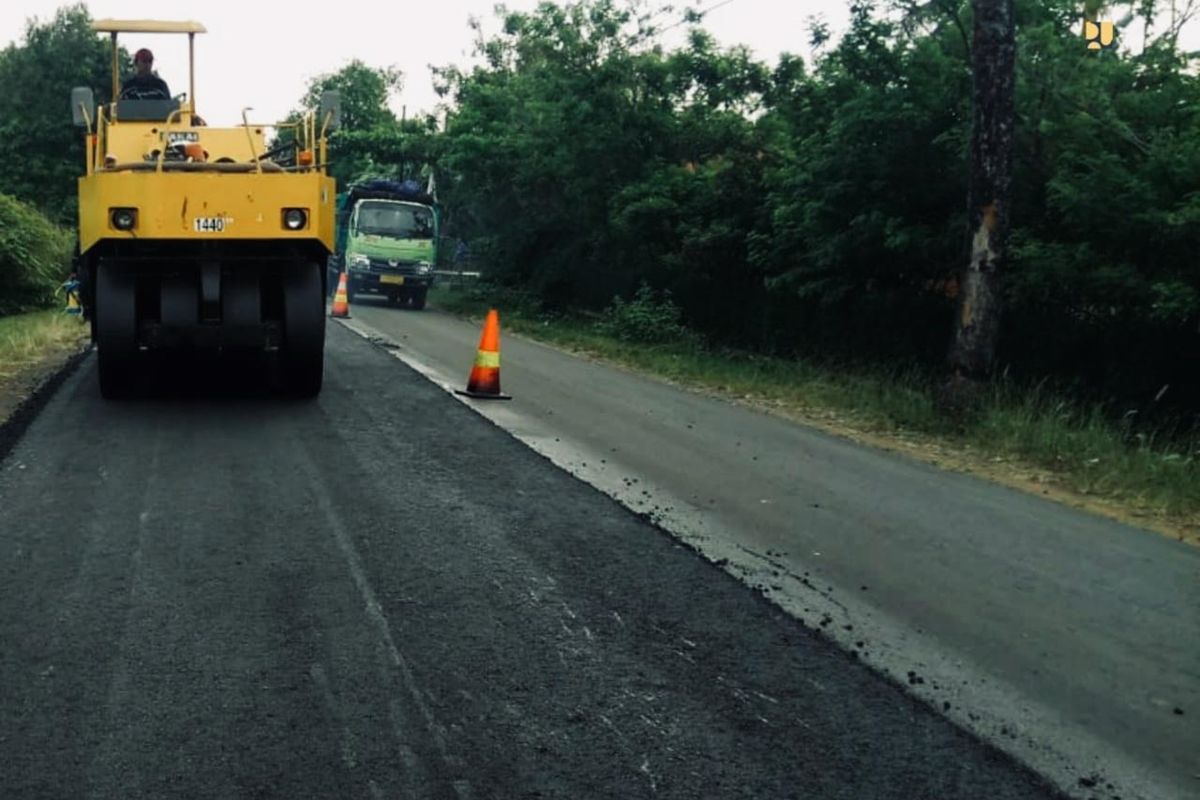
[210,224]
[397,279]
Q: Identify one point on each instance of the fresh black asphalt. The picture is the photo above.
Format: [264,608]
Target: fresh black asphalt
[378,594]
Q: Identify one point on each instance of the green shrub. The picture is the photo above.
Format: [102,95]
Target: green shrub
[646,319]
[35,257]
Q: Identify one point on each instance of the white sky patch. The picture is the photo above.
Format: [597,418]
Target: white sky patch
[263,55]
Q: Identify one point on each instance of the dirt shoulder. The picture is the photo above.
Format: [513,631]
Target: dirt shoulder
[20,387]
[34,349]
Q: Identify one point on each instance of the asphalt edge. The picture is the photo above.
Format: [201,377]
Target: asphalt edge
[14,427]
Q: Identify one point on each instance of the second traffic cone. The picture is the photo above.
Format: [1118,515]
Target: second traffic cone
[484,382]
[341,304]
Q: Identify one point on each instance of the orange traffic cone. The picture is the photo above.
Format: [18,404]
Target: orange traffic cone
[484,382]
[341,305]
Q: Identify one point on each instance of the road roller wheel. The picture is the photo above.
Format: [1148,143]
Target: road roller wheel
[116,331]
[302,354]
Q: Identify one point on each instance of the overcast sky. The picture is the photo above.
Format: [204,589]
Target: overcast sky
[264,54]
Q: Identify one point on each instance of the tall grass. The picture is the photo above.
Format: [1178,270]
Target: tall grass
[28,339]
[1092,453]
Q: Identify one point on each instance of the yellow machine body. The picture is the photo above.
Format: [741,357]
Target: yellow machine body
[193,236]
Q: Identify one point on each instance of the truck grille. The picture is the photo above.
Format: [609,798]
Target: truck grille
[400,268]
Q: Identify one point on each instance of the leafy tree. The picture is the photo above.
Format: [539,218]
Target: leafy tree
[366,118]
[42,152]
[365,94]
[1104,288]
[864,191]
[539,195]
[557,143]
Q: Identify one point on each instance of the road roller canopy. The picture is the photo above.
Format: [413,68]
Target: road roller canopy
[146,26]
[113,27]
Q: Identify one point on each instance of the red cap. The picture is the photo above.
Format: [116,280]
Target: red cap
[143,55]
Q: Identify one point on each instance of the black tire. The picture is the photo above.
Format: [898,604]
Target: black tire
[302,357]
[418,299]
[116,331]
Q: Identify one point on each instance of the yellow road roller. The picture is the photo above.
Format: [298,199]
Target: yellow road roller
[199,238]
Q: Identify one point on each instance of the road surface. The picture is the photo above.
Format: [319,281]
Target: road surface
[1069,640]
[379,594]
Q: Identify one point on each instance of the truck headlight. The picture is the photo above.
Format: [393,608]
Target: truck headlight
[424,267]
[359,261]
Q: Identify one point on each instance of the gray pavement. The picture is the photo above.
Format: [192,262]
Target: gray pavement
[1069,640]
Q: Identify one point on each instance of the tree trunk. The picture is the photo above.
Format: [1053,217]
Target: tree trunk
[977,323]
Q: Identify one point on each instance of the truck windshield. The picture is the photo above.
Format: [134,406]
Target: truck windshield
[398,221]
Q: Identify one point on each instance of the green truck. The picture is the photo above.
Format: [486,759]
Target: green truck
[387,240]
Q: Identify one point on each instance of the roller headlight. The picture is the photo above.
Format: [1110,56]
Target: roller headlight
[123,219]
[295,219]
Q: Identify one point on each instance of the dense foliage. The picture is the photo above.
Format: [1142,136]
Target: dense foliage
[34,257]
[819,206]
[42,152]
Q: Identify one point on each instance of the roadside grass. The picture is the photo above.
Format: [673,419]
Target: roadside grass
[27,340]
[1031,435]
